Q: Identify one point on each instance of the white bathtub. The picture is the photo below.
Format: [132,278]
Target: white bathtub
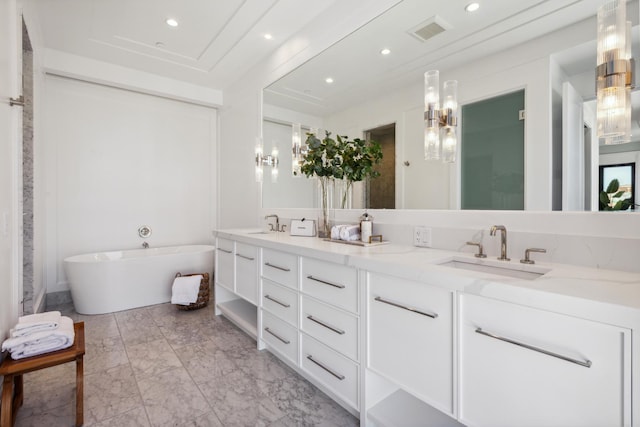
[113,281]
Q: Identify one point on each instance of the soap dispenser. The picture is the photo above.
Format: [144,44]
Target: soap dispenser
[366,227]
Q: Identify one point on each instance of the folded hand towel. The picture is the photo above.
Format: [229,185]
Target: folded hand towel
[350,232]
[185,289]
[36,323]
[41,342]
[335,232]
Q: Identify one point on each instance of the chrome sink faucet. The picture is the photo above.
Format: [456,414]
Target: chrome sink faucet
[277,227]
[503,240]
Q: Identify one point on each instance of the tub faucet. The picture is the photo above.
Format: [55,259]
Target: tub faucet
[145,245]
[503,240]
[271,227]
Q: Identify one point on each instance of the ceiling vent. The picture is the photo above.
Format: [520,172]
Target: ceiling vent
[429,28]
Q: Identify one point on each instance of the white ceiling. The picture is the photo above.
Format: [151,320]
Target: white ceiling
[360,72]
[216,42]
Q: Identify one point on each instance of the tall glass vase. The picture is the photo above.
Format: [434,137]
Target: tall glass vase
[343,194]
[325,193]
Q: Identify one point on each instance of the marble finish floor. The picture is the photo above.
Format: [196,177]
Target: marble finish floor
[158,366]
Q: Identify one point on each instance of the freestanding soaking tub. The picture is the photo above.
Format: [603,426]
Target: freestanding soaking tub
[113,281]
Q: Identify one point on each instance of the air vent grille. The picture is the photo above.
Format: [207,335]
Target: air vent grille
[429,28]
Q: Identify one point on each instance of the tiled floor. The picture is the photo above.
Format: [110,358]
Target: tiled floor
[158,366]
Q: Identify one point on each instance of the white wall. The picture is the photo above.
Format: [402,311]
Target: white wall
[116,160]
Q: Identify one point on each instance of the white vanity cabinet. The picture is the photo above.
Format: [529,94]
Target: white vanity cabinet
[528,367]
[247,272]
[225,266]
[410,337]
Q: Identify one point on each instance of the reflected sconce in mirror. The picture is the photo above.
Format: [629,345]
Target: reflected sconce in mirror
[614,74]
[440,140]
[296,149]
[270,160]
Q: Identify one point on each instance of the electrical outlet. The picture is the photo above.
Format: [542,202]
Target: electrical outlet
[422,237]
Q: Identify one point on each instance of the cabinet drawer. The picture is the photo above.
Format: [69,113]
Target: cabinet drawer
[247,272]
[332,283]
[280,336]
[416,321]
[333,327]
[280,301]
[225,263]
[280,267]
[522,366]
[333,370]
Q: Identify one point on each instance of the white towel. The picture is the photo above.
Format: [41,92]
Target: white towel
[41,342]
[335,232]
[185,289]
[36,323]
[350,233]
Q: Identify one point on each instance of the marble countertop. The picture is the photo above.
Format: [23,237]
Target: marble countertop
[581,290]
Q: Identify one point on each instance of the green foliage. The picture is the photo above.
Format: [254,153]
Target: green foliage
[608,198]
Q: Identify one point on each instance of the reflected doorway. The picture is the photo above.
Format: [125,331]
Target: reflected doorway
[380,192]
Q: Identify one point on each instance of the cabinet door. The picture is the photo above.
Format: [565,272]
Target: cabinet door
[247,272]
[225,266]
[528,367]
[411,337]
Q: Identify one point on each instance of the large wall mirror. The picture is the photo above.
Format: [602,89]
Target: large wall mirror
[531,47]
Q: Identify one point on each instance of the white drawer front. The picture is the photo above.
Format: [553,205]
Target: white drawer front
[411,337]
[333,283]
[333,327]
[247,272]
[280,301]
[335,371]
[225,264]
[280,267]
[526,380]
[280,336]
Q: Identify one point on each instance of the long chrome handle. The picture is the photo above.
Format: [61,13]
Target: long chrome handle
[277,336]
[284,304]
[323,366]
[335,285]
[586,363]
[276,267]
[224,250]
[245,257]
[326,325]
[404,307]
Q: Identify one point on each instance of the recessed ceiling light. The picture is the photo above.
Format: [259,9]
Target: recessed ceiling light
[268,36]
[171,22]
[385,51]
[328,80]
[472,7]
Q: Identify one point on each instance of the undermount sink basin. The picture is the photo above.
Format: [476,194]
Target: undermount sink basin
[509,270]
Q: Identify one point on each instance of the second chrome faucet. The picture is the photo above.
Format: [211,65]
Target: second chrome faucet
[503,240]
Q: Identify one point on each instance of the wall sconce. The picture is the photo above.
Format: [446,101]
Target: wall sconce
[270,160]
[440,140]
[296,149]
[614,74]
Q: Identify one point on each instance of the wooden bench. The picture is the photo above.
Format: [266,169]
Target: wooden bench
[12,370]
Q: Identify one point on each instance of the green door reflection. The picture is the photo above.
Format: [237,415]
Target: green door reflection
[492,154]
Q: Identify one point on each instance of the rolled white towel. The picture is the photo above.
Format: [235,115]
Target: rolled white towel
[41,342]
[36,323]
[185,289]
[335,232]
[350,233]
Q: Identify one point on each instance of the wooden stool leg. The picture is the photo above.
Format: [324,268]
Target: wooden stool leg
[19,391]
[7,401]
[79,391]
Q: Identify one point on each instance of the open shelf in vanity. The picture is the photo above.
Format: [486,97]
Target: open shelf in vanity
[243,314]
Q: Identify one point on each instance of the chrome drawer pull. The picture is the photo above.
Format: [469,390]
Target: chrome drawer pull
[586,363]
[335,285]
[224,250]
[404,307]
[321,323]
[276,267]
[245,257]
[277,336]
[276,301]
[323,366]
